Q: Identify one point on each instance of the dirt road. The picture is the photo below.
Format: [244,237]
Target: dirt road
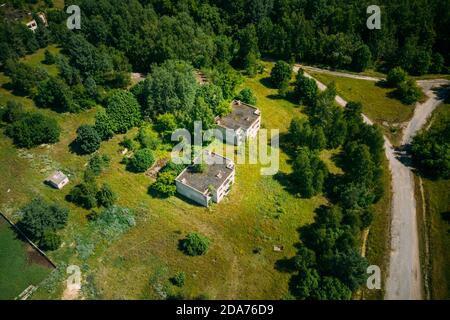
[404,279]
[434,90]
[340,74]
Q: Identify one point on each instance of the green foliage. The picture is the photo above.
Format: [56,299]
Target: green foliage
[148,138]
[111,223]
[246,95]
[396,76]
[87,139]
[332,288]
[194,244]
[13,111]
[309,172]
[301,134]
[350,268]
[325,114]
[39,218]
[281,74]
[169,88]
[141,161]
[106,196]
[49,58]
[213,97]
[24,78]
[362,58]
[50,241]
[165,184]
[104,125]
[305,283]
[55,94]
[123,111]
[227,79]
[431,150]
[408,92]
[179,279]
[165,124]
[248,53]
[33,129]
[84,194]
[306,90]
[199,167]
[97,163]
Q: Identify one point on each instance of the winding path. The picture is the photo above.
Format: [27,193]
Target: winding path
[404,279]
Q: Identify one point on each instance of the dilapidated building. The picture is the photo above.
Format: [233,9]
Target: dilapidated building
[213,183]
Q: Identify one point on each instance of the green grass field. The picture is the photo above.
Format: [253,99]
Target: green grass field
[389,113]
[20,265]
[437,204]
[258,213]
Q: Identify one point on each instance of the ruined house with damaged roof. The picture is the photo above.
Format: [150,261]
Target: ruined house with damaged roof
[243,122]
[212,183]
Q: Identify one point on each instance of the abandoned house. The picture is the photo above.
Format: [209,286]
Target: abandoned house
[212,183]
[57,180]
[32,25]
[241,123]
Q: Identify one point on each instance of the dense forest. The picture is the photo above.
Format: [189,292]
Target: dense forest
[414,33]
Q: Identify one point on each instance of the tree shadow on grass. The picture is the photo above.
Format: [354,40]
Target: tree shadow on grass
[75,148]
[266,82]
[446,216]
[382,84]
[285,265]
[286,182]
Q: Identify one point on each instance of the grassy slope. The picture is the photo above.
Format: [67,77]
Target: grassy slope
[377,248]
[387,112]
[17,273]
[437,200]
[245,220]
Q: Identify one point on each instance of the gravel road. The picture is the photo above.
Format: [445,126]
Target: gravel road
[404,279]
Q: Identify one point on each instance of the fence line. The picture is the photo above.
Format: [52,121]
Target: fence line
[42,253]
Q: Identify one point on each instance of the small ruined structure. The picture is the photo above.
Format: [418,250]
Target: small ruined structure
[243,122]
[211,184]
[57,180]
[32,25]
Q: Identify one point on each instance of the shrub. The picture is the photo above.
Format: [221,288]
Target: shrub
[309,172]
[98,163]
[13,112]
[306,90]
[50,241]
[195,244]
[123,111]
[408,92]
[84,194]
[33,129]
[395,77]
[165,124]
[87,139]
[431,150]
[104,126]
[49,58]
[141,161]
[281,74]
[106,196]
[55,94]
[179,279]
[40,217]
[148,138]
[165,184]
[247,96]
